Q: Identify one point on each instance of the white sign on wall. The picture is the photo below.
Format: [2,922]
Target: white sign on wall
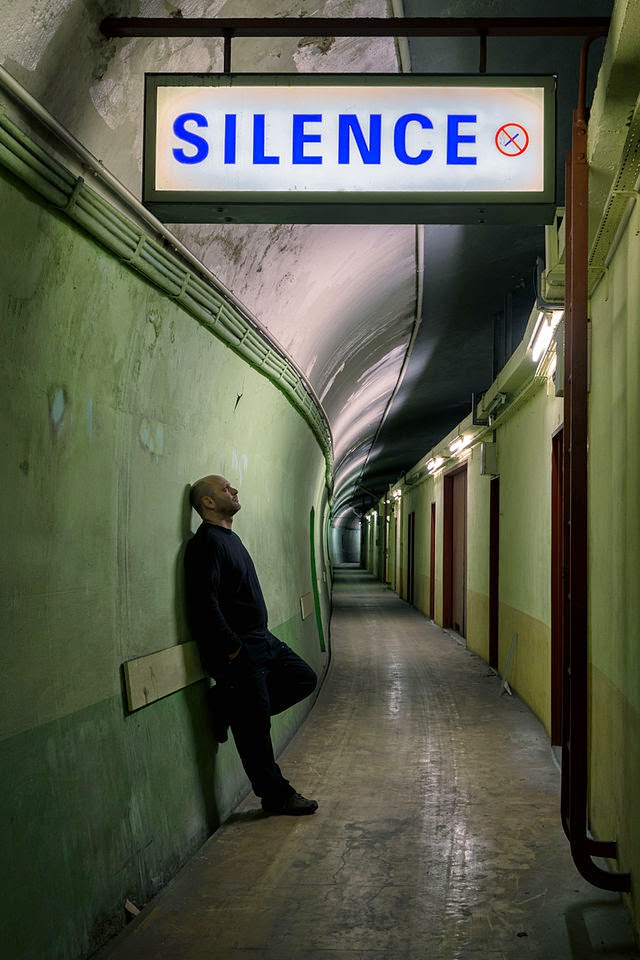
[323,148]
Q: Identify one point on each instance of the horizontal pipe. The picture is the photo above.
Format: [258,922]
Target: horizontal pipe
[96,168]
[115,233]
[353,26]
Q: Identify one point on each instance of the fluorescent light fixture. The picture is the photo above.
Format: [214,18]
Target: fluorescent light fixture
[459,443]
[543,332]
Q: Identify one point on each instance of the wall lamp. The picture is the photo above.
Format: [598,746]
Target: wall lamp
[545,327]
[397,494]
[494,407]
[434,464]
[459,443]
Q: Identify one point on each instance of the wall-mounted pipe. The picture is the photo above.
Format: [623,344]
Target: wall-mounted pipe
[54,173]
[575,700]
[141,252]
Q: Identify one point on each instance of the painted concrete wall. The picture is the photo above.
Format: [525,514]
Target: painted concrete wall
[478,501]
[113,401]
[524,458]
[614,553]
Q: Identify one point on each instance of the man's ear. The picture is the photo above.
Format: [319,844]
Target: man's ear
[208,502]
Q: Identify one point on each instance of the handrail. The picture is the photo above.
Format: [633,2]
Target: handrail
[575,705]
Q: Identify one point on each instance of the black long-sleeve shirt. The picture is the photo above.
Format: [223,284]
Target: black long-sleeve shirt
[226,608]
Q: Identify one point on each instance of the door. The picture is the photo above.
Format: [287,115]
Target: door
[432,564]
[557,520]
[455,551]
[411,551]
[494,572]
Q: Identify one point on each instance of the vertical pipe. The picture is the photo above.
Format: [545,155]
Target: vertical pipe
[483,52]
[575,756]
[227,35]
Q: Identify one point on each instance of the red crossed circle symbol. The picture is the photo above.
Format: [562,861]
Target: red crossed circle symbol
[512,139]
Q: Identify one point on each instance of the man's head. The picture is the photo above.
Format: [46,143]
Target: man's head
[215,500]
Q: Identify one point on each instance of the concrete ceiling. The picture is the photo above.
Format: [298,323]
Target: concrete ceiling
[394,326]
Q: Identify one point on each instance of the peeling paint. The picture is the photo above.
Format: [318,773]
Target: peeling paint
[89,412]
[152,438]
[240,465]
[57,408]
[323,44]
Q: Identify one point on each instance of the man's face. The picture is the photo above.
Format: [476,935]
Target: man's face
[225,497]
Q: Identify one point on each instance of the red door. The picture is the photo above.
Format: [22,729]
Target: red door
[494,572]
[432,565]
[556,585]
[455,551]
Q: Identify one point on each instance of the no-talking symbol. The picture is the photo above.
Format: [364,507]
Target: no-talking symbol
[512,139]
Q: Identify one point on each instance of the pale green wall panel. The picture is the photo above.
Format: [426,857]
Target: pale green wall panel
[114,399]
[614,469]
[478,501]
[614,555]
[524,458]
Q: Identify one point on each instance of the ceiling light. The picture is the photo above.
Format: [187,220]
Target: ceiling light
[459,443]
[434,464]
[543,333]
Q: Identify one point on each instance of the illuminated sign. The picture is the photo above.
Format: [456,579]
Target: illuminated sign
[364,149]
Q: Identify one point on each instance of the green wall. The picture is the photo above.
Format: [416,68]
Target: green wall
[478,504]
[614,554]
[524,458]
[114,400]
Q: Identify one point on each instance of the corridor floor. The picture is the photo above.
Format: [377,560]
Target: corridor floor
[437,836]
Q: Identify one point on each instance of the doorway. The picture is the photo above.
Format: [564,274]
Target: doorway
[494,572]
[557,602]
[455,551]
[411,554]
[432,564]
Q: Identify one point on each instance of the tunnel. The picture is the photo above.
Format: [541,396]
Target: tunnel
[430,413]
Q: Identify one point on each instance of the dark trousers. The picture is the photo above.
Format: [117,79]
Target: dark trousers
[278,682]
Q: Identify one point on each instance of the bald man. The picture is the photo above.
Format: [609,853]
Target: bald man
[257,676]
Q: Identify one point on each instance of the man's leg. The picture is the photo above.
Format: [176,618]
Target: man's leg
[250,720]
[289,679]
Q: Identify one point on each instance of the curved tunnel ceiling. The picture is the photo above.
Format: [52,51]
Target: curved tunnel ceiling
[394,365]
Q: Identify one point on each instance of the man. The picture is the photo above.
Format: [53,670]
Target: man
[257,676]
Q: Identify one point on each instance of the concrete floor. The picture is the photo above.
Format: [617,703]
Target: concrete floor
[438,832]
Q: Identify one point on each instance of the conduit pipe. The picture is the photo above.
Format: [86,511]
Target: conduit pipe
[200,298]
[52,181]
[575,700]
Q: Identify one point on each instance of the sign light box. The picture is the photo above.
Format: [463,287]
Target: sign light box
[351,148]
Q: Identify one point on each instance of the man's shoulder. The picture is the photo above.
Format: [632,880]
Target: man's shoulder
[211,536]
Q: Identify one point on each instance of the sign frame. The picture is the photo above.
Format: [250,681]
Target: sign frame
[198,206]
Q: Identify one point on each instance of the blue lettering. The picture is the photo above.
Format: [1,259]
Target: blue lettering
[454,137]
[400,138]
[201,145]
[259,141]
[300,137]
[349,123]
[230,126]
